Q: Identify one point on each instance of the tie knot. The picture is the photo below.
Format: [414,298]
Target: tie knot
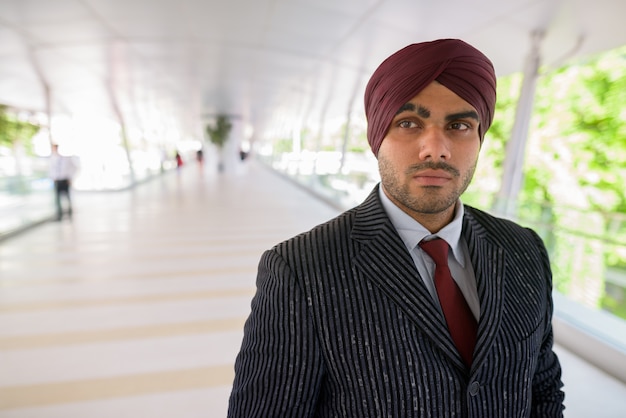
[437,249]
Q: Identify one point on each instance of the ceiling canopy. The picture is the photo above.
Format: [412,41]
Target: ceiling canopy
[268,62]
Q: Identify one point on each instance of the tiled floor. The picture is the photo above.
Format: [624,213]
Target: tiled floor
[135,307]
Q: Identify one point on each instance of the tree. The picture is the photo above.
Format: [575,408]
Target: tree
[218,135]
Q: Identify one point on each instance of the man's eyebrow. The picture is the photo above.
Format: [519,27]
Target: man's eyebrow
[462,115]
[420,110]
[405,107]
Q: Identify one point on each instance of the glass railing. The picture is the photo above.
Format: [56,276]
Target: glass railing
[27,193]
[24,201]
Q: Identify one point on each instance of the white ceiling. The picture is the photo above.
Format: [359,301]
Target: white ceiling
[266,61]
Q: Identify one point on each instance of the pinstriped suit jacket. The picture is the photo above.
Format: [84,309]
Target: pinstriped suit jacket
[342,326]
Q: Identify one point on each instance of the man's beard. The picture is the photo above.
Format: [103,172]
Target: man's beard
[427,203]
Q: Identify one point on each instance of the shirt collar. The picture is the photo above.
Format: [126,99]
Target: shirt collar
[412,232]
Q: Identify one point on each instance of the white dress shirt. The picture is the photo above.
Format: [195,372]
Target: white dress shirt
[412,232]
[62,167]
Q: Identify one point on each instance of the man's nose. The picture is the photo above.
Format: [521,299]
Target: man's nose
[434,145]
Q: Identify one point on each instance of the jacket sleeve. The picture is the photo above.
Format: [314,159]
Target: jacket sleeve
[278,371]
[547,400]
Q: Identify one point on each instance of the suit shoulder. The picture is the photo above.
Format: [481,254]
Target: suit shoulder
[497,228]
[520,243]
[337,228]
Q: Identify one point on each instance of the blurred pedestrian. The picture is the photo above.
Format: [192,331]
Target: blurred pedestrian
[200,157]
[179,160]
[61,171]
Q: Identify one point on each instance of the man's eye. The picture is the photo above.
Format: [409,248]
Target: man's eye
[406,124]
[459,126]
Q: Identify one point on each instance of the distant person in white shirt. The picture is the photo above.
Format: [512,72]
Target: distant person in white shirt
[62,170]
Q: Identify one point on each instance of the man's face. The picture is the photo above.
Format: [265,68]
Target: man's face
[428,157]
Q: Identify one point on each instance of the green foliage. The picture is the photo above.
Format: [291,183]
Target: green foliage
[282,146]
[576,164]
[599,119]
[218,133]
[590,113]
[359,148]
[13,130]
[615,300]
[357,140]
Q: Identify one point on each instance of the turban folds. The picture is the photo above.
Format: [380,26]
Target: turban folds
[453,63]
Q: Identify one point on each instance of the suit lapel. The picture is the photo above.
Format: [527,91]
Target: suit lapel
[385,261]
[488,261]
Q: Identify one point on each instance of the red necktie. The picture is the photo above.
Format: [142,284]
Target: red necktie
[461,322]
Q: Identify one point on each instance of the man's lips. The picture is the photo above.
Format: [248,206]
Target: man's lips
[432,177]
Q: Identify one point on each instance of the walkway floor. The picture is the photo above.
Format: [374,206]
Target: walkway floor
[135,307]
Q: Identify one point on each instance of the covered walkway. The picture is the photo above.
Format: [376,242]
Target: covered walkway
[135,307]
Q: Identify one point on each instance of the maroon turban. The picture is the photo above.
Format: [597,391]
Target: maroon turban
[455,64]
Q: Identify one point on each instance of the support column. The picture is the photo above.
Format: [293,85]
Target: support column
[346,133]
[232,146]
[512,176]
[32,56]
[48,98]
[120,119]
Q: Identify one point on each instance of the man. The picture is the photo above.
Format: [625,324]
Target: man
[360,317]
[62,169]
